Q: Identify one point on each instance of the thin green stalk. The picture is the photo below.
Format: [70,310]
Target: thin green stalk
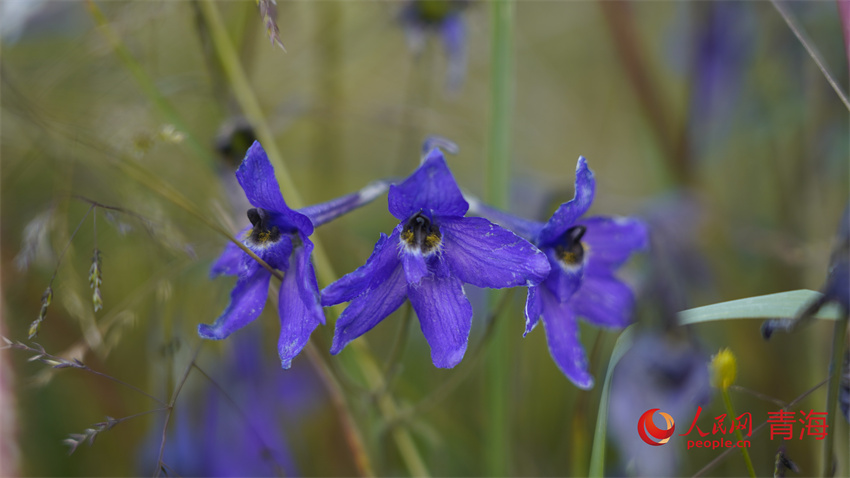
[497,445]
[248,100]
[809,45]
[394,358]
[168,192]
[731,413]
[352,433]
[251,107]
[147,84]
[838,342]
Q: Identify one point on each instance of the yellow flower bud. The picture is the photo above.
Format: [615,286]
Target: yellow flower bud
[724,369]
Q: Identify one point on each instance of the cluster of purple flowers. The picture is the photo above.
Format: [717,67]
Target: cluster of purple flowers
[567,264]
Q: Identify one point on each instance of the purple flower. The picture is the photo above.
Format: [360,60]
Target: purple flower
[659,370]
[279,236]
[428,257]
[583,254]
[242,420]
[444,16]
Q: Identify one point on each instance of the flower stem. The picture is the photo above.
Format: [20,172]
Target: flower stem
[838,343]
[498,187]
[324,272]
[352,433]
[248,100]
[731,412]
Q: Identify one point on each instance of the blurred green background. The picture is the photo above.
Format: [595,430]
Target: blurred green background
[751,170]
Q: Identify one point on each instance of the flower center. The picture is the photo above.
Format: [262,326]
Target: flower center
[263,232]
[570,250]
[421,234]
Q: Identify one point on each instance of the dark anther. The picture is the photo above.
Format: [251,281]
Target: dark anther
[570,250]
[254,216]
[262,231]
[421,233]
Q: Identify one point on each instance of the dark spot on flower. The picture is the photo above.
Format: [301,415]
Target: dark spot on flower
[569,249]
[233,140]
[433,11]
[263,231]
[420,233]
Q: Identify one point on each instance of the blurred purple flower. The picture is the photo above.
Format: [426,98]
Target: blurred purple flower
[583,254]
[218,437]
[658,371]
[837,287]
[445,17]
[280,236]
[428,257]
[722,40]
[835,290]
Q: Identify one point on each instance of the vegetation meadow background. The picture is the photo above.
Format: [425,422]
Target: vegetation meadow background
[708,120]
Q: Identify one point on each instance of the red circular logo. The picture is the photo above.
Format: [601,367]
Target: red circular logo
[645,425]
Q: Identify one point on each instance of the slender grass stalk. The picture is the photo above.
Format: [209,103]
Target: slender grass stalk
[731,412]
[838,343]
[250,106]
[394,357]
[352,433]
[441,392]
[672,141]
[497,445]
[247,99]
[756,430]
[600,433]
[147,84]
[809,45]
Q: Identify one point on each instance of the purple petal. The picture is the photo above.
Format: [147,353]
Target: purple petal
[567,214]
[378,268]
[486,255]
[256,176]
[563,281]
[453,32]
[533,309]
[562,334]
[445,316]
[300,312]
[246,302]
[604,301]
[308,286]
[523,227]
[608,242]
[325,212]
[369,309]
[415,267]
[230,260]
[430,188]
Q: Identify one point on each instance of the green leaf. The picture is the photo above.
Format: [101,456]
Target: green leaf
[784,305]
[597,454]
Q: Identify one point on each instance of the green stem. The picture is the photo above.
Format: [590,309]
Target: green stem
[497,445]
[731,412]
[835,364]
[251,107]
[147,84]
[248,100]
